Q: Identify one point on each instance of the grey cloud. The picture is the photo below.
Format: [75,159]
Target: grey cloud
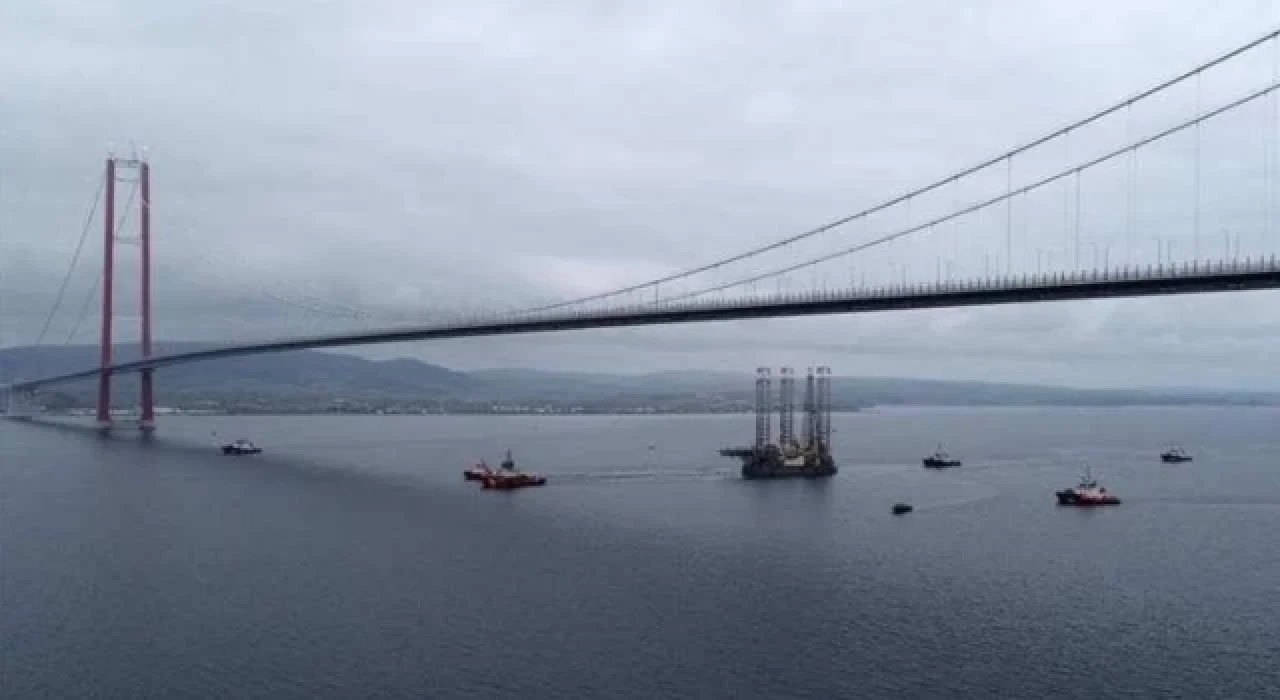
[411,157]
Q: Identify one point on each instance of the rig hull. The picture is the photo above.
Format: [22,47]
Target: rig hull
[770,464]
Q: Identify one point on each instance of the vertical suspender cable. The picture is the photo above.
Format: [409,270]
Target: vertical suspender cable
[1196,232]
[1131,208]
[1008,216]
[955,229]
[1268,108]
[1066,199]
[1079,175]
[1274,157]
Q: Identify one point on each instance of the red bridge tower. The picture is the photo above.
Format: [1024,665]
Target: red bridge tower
[115,167]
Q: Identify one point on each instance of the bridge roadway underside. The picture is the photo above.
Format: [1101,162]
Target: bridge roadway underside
[847,302]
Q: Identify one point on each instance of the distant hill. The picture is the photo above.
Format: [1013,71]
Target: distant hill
[864,391]
[298,373]
[319,376]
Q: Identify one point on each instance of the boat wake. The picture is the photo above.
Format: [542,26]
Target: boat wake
[644,474]
[1215,503]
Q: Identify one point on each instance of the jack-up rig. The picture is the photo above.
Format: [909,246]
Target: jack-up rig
[808,454]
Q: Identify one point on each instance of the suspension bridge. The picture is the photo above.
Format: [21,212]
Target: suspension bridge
[1172,190]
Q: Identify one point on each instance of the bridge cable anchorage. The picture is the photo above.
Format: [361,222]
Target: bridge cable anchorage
[1027,146]
[75,258]
[1077,169]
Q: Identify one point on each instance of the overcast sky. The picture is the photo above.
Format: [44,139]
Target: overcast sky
[404,156]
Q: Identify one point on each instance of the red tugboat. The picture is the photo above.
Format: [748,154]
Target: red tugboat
[478,472]
[1086,494]
[507,477]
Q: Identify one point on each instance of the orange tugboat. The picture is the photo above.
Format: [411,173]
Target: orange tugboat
[507,477]
[1086,494]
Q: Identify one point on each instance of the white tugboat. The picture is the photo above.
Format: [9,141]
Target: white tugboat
[940,460]
[1175,455]
[241,447]
[479,472]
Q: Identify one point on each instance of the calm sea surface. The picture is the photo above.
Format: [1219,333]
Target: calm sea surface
[351,560]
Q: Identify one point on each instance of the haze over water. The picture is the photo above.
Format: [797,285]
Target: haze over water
[351,560]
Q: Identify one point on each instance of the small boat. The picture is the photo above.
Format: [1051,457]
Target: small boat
[478,472]
[940,460]
[506,477]
[902,508]
[1087,493]
[241,447]
[1174,455]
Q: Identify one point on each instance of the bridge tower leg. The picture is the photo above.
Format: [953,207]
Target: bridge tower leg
[810,413]
[147,419]
[822,415]
[787,409]
[763,408]
[108,271]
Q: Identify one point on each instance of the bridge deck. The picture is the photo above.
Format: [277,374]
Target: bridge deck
[1150,281]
